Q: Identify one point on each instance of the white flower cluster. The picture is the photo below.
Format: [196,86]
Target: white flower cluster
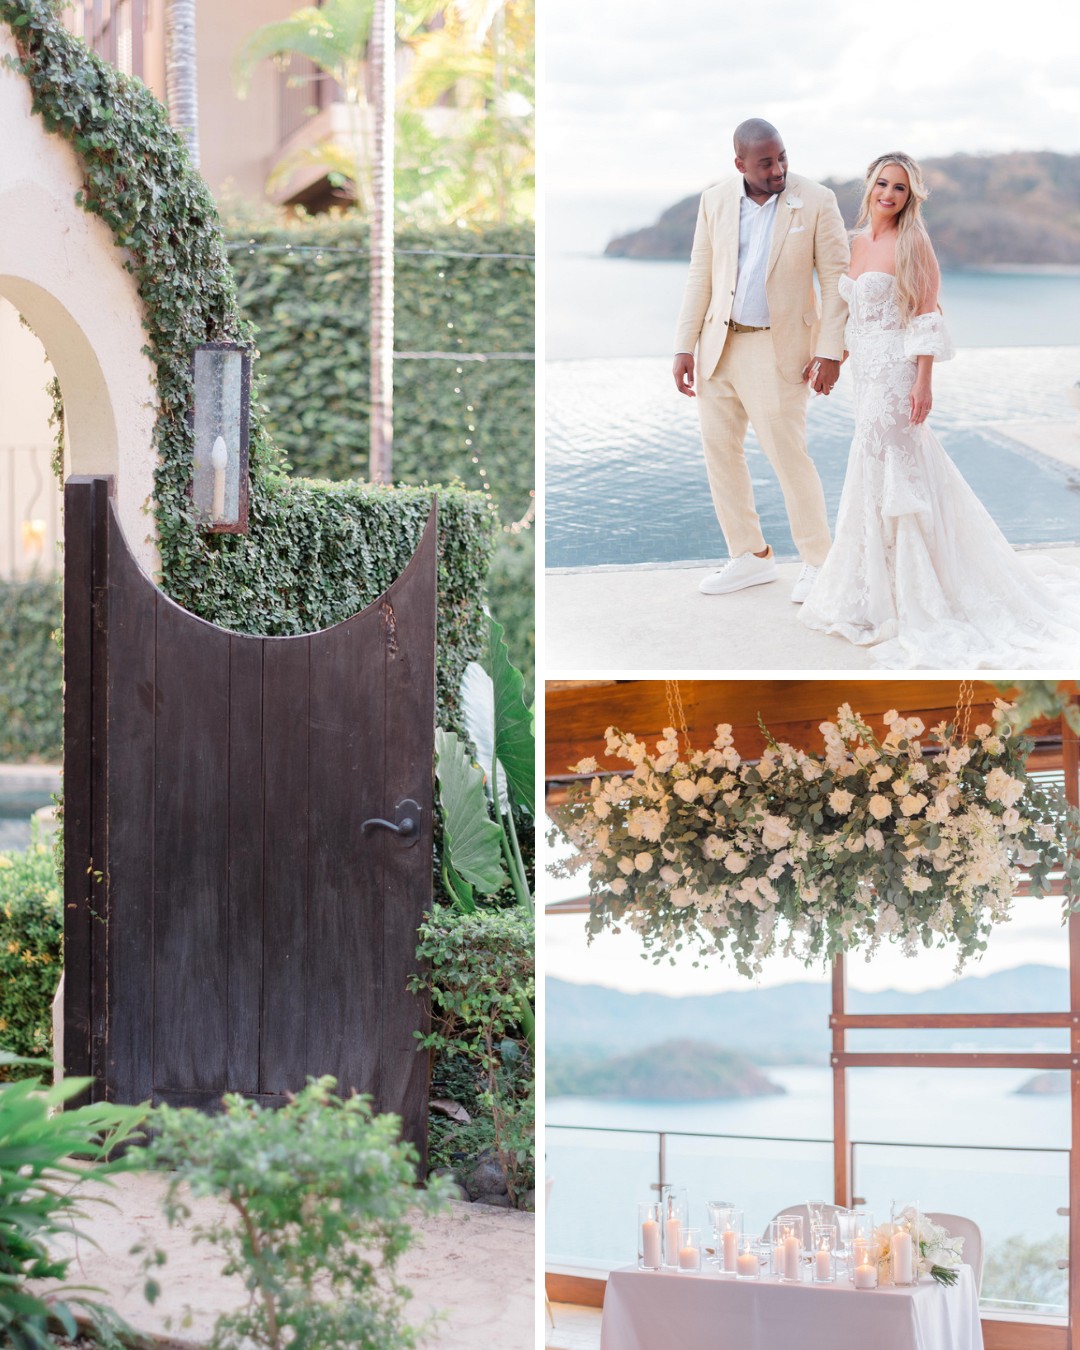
[936,1251]
[818,854]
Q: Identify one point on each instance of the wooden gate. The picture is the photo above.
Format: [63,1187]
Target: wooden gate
[235,917]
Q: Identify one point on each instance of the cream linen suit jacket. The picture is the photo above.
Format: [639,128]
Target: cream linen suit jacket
[808,235]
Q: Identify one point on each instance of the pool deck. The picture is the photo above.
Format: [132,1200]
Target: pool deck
[652,618]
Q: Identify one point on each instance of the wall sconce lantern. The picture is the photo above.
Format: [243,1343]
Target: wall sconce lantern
[221,373]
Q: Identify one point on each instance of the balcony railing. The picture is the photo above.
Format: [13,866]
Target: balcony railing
[1017,1196]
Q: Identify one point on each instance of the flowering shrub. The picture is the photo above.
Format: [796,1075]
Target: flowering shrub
[819,854]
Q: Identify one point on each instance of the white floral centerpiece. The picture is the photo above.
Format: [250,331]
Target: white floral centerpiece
[935,1251]
[818,854]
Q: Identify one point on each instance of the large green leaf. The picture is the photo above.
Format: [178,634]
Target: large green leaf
[470,837]
[478,710]
[515,743]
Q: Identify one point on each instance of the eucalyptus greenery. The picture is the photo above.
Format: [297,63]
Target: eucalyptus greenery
[315,552]
[880,838]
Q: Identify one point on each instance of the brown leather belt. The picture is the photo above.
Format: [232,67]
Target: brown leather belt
[745,327]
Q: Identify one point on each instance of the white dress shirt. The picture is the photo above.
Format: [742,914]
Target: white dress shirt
[755,241]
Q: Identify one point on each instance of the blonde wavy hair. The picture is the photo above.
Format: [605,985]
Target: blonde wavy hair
[917,273]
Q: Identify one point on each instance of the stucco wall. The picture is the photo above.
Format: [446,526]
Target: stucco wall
[60,268]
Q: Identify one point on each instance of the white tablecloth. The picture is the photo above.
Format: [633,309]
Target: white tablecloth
[658,1310]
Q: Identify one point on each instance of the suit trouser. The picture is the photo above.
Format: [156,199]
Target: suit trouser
[746,386]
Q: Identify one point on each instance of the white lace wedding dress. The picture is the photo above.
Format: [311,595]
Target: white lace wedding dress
[918,569]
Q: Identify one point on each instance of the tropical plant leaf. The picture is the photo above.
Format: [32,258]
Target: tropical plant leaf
[478,710]
[471,839]
[515,743]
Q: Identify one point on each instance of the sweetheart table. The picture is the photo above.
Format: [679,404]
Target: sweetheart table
[651,1310]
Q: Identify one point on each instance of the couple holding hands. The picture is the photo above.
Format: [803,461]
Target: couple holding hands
[918,570]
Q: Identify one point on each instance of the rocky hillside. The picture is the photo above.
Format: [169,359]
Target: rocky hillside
[677,1071]
[984,211]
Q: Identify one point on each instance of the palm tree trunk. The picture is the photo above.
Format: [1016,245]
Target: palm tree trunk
[181,86]
[382,245]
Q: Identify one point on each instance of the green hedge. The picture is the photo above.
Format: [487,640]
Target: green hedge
[313,551]
[30,949]
[30,671]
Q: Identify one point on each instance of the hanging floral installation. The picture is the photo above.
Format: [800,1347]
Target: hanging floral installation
[814,855]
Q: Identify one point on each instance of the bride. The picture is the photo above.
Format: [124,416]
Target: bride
[918,570]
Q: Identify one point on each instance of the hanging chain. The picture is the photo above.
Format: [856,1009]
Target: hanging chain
[675,711]
[963,710]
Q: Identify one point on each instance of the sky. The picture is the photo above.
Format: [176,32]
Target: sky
[640,100]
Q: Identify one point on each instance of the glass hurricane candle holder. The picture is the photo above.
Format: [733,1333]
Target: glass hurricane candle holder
[674,1218]
[747,1264]
[727,1243]
[822,1248]
[862,1233]
[720,1214]
[845,1231]
[787,1244]
[864,1271]
[650,1253]
[690,1251]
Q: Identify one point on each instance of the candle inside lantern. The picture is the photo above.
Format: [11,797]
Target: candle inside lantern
[778,1259]
[902,1265]
[650,1243]
[865,1276]
[219,458]
[747,1263]
[859,1251]
[672,1237]
[821,1263]
[731,1247]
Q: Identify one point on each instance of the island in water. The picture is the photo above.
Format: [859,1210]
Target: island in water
[674,1071]
[1017,209]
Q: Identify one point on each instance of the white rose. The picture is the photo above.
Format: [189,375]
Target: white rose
[617,886]
[601,809]
[875,839]
[735,862]
[643,862]
[775,832]
[811,770]
[713,847]
[880,807]
[766,768]
[841,800]
[681,897]
[687,789]
[912,805]
[626,867]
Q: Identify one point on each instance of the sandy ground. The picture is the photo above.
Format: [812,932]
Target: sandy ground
[473,1267]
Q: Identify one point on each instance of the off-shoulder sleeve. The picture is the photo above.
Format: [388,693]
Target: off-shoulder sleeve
[926,335]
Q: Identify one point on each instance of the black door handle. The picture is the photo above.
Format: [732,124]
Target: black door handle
[408,816]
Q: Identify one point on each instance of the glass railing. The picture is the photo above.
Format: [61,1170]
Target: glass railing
[1016,1196]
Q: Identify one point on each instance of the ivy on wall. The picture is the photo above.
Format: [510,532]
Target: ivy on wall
[30,671]
[315,552]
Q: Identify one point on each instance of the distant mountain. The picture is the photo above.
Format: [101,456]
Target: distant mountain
[1021,208]
[789,1023]
[676,1071]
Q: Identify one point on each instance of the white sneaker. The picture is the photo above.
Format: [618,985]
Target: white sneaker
[805,583]
[745,570]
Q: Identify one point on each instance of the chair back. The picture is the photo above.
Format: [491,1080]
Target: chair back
[968,1229]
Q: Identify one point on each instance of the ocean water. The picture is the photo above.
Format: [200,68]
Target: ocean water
[600,1177]
[624,476]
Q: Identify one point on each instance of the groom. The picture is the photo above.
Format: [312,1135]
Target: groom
[761,336]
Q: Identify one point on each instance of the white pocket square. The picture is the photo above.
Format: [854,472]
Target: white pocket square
[797,229]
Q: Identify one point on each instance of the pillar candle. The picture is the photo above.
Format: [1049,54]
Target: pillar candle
[792,1252]
[902,1268]
[672,1238]
[731,1247]
[821,1263]
[650,1243]
[778,1259]
[866,1277]
[747,1264]
[688,1258]
[859,1247]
